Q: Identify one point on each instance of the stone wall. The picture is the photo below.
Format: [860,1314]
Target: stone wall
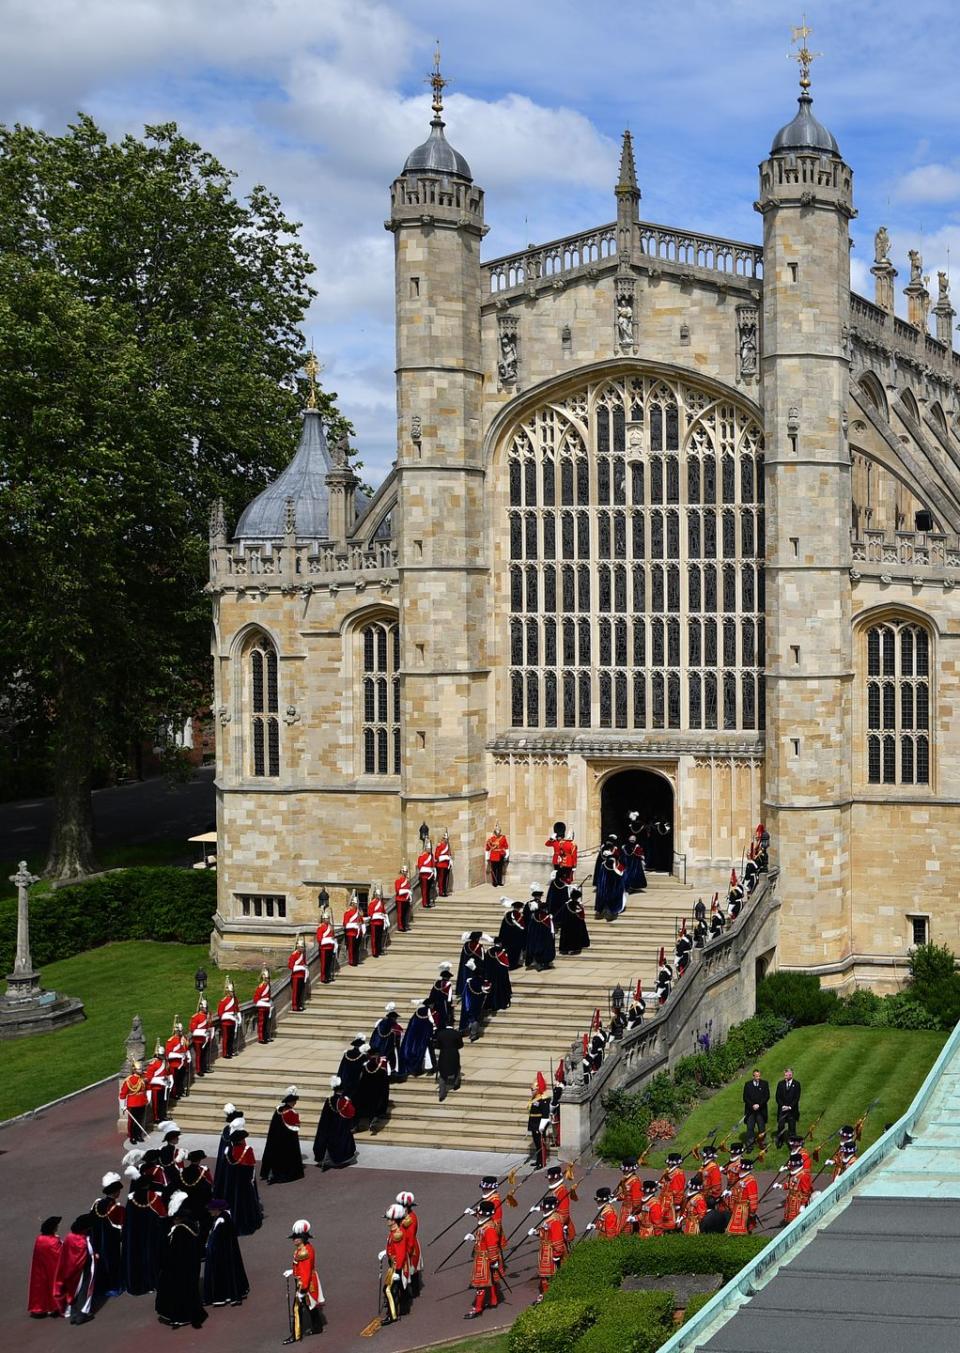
[720,985]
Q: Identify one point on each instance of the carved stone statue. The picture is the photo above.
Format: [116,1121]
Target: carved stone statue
[747,340]
[916,266]
[943,282]
[507,366]
[625,321]
[881,246]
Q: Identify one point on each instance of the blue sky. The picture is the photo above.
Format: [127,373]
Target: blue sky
[322,100]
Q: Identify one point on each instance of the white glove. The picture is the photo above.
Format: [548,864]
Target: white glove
[469,1212]
[468,1237]
[725,1193]
[828,1162]
[591,1227]
[288,1272]
[778,1186]
[534,1208]
[382,1255]
[781,1170]
[532,1231]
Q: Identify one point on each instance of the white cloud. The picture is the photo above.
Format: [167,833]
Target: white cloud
[930,183]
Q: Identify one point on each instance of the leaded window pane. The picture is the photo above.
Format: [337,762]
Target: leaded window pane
[746,479]
[636,484]
[693,480]
[382,766]
[259,767]
[695,710]
[549,641]
[709,700]
[656,430]
[673,643]
[873,760]
[620,651]
[620,588]
[657,651]
[656,695]
[656,588]
[639,588]
[515,479]
[619,535]
[906,761]
[656,480]
[673,700]
[550,699]
[639,700]
[516,699]
[549,536]
[569,585]
[710,587]
[709,534]
[729,535]
[566,483]
[729,588]
[516,590]
[583,641]
[530,482]
[549,482]
[605,654]
[694,649]
[516,536]
[693,587]
[566,536]
[603,535]
[709,479]
[746,534]
[673,588]
[709,643]
[606,701]
[621,699]
[923,761]
[583,536]
[638,550]
[748,696]
[533,700]
[532,643]
[530,533]
[673,535]
[619,483]
[639,642]
[569,644]
[889,760]
[532,589]
[256,666]
[583,588]
[549,588]
[583,681]
[583,482]
[603,480]
[729,480]
[273,747]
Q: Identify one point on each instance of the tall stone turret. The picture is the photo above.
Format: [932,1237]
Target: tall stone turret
[628,199]
[806,204]
[437,222]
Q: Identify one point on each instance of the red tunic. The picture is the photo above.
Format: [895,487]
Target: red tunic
[305,1272]
[442,856]
[497,848]
[553,1245]
[651,1220]
[133,1091]
[743,1207]
[178,1050]
[693,1212]
[630,1193]
[562,1195]
[607,1223]
[411,1227]
[712,1180]
[396,1248]
[798,1188]
[43,1272]
[487,1258]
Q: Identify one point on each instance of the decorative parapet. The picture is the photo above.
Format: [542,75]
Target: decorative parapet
[300,564]
[642,745]
[931,553]
[875,328]
[573,254]
[720,985]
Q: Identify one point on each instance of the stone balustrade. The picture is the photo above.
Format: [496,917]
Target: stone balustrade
[590,248]
[876,326]
[280,563]
[719,985]
[912,549]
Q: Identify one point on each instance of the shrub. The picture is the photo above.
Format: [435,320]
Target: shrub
[598,1266]
[621,1138]
[903,1011]
[862,1007]
[552,1327]
[935,982]
[796,996]
[129,904]
[630,1322]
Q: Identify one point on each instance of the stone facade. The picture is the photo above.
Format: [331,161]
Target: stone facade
[654,492]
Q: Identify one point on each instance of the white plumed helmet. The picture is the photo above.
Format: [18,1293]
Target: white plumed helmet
[395,1212]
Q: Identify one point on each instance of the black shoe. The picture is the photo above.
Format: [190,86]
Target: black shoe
[471,1315]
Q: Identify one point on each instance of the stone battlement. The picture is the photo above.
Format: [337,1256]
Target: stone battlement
[281,565]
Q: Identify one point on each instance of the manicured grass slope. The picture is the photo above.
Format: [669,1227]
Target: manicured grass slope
[117,981]
[840,1070]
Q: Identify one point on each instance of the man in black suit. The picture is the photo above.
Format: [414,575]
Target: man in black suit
[756,1097]
[788,1106]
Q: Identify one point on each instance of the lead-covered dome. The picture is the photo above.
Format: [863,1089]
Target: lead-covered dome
[304,484]
[437,156]
[805,133]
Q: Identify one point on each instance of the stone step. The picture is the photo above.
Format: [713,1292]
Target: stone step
[549,1010]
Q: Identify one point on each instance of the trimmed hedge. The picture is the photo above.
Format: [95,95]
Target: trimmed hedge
[553,1327]
[129,904]
[796,996]
[585,1310]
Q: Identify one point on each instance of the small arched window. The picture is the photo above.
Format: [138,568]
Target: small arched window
[380,697]
[898,704]
[264,707]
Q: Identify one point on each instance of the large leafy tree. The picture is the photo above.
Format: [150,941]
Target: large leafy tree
[149,336]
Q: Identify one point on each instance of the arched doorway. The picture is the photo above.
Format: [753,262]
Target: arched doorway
[650,795]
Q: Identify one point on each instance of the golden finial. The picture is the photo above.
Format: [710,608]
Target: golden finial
[436,80]
[312,367]
[803,55]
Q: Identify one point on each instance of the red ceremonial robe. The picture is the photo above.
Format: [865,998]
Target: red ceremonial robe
[43,1271]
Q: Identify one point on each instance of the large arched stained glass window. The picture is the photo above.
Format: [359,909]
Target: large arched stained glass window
[898,704]
[264,707]
[380,698]
[636,544]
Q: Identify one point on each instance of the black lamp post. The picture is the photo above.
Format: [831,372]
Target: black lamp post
[424,832]
[201,980]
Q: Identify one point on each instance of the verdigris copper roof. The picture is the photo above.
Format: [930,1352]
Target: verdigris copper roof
[805,132]
[303,482]
[437,156]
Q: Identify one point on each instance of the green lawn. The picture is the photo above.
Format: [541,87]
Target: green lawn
[839,1069]
[154,981]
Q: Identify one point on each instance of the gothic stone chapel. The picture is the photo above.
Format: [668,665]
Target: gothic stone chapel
[673,525]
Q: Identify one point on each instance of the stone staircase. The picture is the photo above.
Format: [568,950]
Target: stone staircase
[488,1113]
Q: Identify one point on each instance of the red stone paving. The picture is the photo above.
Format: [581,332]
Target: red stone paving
[53,1164]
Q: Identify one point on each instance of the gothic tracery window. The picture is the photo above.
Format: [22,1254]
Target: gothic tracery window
[264,706]
[380,695]
[898,704]
[659,546]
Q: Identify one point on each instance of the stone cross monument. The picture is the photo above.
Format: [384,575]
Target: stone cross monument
[26,1008]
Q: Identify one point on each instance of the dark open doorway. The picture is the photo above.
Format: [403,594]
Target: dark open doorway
[651,795]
